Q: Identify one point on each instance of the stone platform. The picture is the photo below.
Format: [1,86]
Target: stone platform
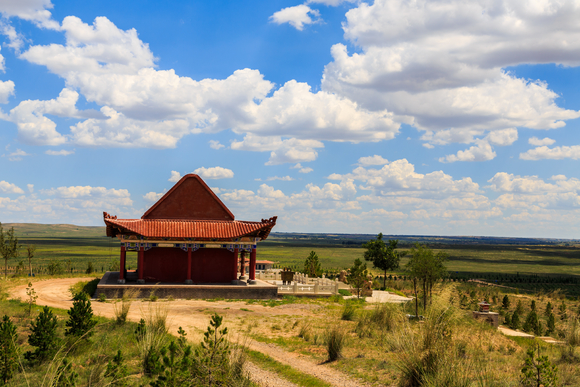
[241,290]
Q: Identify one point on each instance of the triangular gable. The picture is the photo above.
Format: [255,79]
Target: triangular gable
[189,199]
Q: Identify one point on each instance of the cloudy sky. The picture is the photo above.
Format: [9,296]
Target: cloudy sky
[403,117]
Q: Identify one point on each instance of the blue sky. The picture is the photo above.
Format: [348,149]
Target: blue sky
[440,118]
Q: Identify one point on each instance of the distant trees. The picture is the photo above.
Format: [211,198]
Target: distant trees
[8,247]
[425,268]
[30,249]
[383,256]
[312,266]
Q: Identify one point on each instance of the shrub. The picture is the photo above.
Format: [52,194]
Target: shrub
[344,292]
[505,302]
[335,339]
[348,312]
[42,336]
[90,268]
[65,375]
[80,320]
[305,331]
[151,334]
[121,308]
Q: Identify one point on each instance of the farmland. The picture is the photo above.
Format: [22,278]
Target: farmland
[506,260]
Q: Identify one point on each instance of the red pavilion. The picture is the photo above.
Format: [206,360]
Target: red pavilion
[189,236]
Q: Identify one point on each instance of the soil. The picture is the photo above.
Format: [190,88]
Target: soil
[193,316]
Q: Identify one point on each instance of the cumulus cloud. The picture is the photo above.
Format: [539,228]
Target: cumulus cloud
[296,16]
[282,151]
[153,196]
[30,187]
[332,3]
[438,65]
[302,169]
[284,178]
[480,152]
[556,153]
[214,144]
[214,173]
[36,11]
[17,155]
[6,87]
[372,160]
[7,187]
[62,152]
[537,142]
[175,177]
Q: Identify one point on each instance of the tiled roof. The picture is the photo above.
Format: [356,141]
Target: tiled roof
[194,229]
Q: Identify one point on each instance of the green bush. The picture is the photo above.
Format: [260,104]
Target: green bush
[8,349]
[348,312]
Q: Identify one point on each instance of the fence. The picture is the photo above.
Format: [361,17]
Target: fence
[302,284]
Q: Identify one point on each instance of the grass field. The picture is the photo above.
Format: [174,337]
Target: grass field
[75,246]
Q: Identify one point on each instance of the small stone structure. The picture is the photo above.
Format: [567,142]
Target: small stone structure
[367,289]
[342,276]
[484,313]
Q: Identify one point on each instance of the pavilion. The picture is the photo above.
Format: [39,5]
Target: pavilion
[189,237]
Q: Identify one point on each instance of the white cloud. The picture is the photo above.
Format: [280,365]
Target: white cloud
[503,137]
[175,177]
[438,65]
[296,16]
[34,128]
[480,152]
[61,152]
[284,178]
[302,169]
[36,11]
[17,155]
[10,188]
[372,160]
[537,142]
[332,3]
[214,144]
[282,151]
[79,192]
[214,173]
[30,187]
[153,196]
[556,153]
[6,88]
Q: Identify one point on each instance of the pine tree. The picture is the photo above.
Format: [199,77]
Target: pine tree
[65,375]
[538,370]
[80,320]
[42,336]
[8,349]
[506,302]
[520,308]
[551,324]
[117,370]
[357,275]
[532,323]
[533,306]
[312,266]
[549,308]
[515,320]
[508,319]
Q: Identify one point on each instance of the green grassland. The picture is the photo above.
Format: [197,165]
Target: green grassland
[76,246]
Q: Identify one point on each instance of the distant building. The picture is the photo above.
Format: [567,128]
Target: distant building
[189,236]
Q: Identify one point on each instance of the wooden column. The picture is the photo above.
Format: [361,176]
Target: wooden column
[235,268]
[253,264]
[188,280]
[141,263]
[122,265]
[243,265]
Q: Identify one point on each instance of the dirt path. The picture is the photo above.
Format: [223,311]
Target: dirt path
[193,316]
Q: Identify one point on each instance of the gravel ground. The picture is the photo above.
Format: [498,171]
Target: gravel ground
[266,378]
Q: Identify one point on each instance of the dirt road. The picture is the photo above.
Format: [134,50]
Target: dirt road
[193,316]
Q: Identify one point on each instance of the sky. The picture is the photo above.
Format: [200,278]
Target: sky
[420,117]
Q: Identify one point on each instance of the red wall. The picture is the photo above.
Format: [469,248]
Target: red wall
[164,264]
[212,265]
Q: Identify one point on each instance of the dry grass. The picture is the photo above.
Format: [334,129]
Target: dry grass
[121,307]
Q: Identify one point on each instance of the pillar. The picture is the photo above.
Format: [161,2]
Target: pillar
[122,265]
[141,263]
[253,264]
[189,274]
[235,266]
[243,265]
